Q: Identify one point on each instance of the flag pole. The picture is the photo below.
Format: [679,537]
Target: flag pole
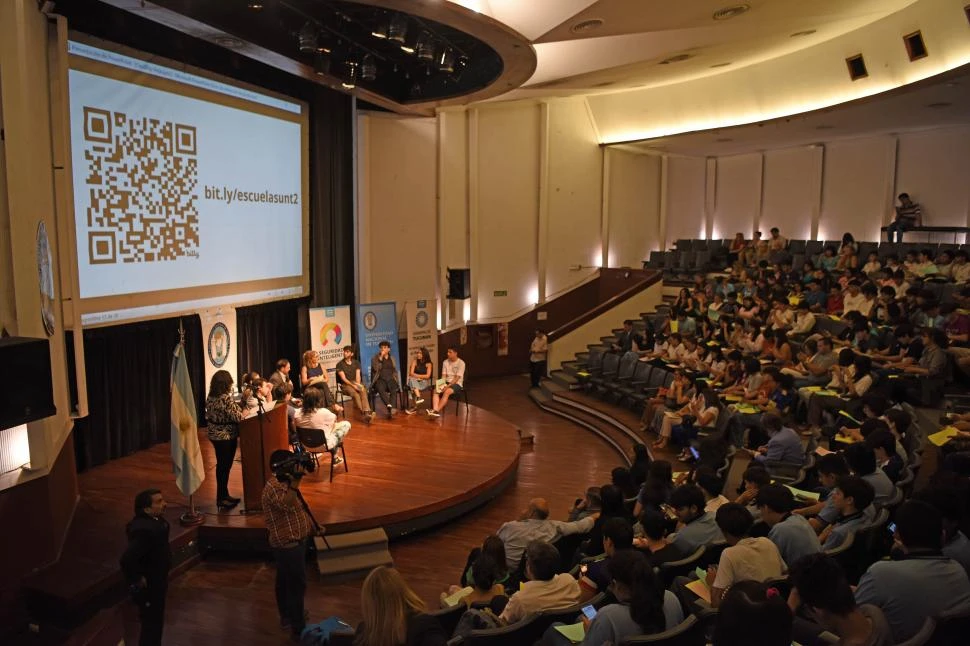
[191,518]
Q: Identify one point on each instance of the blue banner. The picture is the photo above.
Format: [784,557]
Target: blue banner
[376,322]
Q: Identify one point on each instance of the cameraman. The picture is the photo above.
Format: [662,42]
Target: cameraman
[289,528]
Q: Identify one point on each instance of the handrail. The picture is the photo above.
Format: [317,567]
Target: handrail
[605,306]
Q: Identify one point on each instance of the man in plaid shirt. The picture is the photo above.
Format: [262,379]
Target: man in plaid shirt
[289,528]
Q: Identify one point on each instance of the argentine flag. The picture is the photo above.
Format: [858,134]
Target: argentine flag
[186,455]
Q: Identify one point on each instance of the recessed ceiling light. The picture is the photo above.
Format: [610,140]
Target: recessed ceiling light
[804,32]
[940,104]
[725,64]
[675,59]
[726,13]
[586,25]
[255,5]
[230,42]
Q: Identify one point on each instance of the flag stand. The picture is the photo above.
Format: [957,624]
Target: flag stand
[191,518]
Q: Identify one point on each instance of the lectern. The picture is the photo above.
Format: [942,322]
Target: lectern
[259,436]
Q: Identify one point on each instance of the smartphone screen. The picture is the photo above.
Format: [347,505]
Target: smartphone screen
[695,453]
[589,611]
[892,528]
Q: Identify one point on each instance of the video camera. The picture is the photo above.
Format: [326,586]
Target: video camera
[285,468]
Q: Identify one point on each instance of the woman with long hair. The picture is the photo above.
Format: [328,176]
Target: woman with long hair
[313,374]
[419,377]
[494,548]
[640,464]
[656,488]
[393,615]
[222,415]
[640,597]
[314,414]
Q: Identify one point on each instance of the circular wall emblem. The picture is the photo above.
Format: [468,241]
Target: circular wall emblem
[370,320]
[218,345]
[421,319]
[331,333]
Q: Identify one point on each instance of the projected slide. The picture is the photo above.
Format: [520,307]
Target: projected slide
[180,181]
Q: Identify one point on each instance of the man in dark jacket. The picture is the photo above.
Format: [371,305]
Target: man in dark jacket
[146,562]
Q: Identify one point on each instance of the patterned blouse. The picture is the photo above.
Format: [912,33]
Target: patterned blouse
[223,415]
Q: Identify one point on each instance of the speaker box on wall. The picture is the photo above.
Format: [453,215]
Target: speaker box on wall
[459,283]
[28,393]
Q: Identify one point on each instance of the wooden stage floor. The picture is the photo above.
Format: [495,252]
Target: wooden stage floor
[404,473]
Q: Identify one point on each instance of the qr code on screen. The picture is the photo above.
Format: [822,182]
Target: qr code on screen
[142,175]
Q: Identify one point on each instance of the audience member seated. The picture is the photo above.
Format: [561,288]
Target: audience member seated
[713,488]
[642,606]
[752,480]
[621,478]
[850,498]
[792,534]
[641,462]
[628,338]
[587,505]
[753,614]
[352,385]
[313,414]
[485,585]
[385,378]
[656,489]
[695,527]
[494,548]
[745,558]
[862,461]
[535,525]
[653,543]
[595,577]
[313,374]
[784,444]
[950,501]
[612,505]
[393,614]
[821,592]
[883,444]
[700,412]
[830,468]
[921,582]
[544,589]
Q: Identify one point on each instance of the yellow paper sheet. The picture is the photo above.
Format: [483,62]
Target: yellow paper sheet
[845,439]
[942,436]
[805,495]
[700,589]
[454,599]
[575,633]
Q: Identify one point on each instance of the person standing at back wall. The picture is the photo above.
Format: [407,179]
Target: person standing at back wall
[538,357]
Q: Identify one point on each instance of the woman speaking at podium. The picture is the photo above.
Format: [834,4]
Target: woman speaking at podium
[222,416]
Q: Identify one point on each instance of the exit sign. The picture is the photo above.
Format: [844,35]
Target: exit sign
[500,292]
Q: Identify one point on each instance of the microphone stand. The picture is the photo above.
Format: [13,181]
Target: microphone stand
[262,449]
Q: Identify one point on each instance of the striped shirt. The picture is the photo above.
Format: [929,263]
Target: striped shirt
[911,212]
[286,524]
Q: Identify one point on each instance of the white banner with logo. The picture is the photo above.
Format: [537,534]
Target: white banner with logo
[329,333]
[219,334]
[422,330]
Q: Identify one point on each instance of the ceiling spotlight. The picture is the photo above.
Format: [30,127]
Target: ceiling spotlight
[425,47]
[350,82]
[368,68]
[321,65]
[726,13]
[446,61]
[397,31]
[308,39]
[255,5]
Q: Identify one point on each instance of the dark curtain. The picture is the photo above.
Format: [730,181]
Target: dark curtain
[128,378]
[268,332]
[331,199]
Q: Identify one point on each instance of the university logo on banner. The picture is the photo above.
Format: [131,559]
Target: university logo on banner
[422,330]
[376,322]
[329,333]
[219,334]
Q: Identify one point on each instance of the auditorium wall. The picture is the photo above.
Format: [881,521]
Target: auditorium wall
[47,493]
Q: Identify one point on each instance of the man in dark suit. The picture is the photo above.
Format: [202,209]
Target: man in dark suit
[627,338]
[146,562]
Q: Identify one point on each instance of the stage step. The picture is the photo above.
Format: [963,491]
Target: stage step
[352,554]
[564,379]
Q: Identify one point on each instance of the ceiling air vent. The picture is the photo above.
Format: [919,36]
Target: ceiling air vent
[726,13]
[679,58]
[915,47]
[857,67]
[586,25]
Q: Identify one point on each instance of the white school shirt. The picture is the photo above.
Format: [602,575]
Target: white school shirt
[452,369]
